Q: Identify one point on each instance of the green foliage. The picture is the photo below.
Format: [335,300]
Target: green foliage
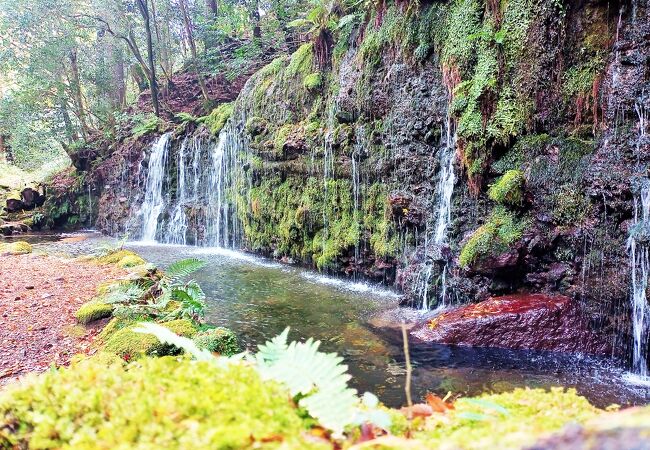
[510,420]
[508,190]
[318,379]
[183,268]
[216,120]
[128,344]
[93,310]
[115,256]
[463,22]
[217,340]
[130,261]
[501,230]
[579,79]
[280,138]
[144,124]
[186,117]
[204,406]
[570,206]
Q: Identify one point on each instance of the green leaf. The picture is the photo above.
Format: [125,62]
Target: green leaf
[183,268]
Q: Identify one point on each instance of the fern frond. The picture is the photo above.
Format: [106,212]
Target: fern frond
[183,268]
[169,337]
[124,293]
[319,378]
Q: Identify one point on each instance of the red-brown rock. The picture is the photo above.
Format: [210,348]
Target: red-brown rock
[525,321]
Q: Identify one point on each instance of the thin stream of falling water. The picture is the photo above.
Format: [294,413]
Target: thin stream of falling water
[154,200]
[359,148]
[178,225]
[639,266]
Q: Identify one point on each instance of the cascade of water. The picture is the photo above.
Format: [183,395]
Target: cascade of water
[328,167]
[154,200]
[178,222]
[360,147]
[90,207]
[227,178]
[444,192]
[639,259]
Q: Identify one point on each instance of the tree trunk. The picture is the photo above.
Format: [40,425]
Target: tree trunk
[153,84]
[75,85]
[187,21]
[255,18]
[212,8]
[119,82]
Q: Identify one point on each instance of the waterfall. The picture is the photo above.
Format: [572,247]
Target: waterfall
[154,200]
[638,248]
[360,147]
[444,192]
[227,175]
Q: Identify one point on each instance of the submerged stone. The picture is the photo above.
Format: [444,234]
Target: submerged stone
[523,321]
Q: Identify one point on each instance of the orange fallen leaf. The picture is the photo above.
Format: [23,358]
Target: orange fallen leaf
[417,410]
[438,404]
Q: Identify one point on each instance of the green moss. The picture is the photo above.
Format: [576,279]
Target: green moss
[579,79]
[156,403]
[280,138]
[501,230]
[93,310]
[130,261]
[508,190]
[116,256]
[217,340]
[216,120]
[301,62]
[570,206]
[511,420]
[130,344]
[463,22]
[313,81]
[16,248]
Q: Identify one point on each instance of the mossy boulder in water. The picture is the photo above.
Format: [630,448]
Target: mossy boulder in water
[122,258]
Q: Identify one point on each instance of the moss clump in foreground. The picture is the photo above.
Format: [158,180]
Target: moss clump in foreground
[217,340]
[93,310]
[511,420]
[16,248]
[129,344]
[156,403]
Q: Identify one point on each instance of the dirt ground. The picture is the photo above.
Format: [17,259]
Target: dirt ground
[39,295]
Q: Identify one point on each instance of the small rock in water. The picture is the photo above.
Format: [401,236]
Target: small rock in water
[29,286]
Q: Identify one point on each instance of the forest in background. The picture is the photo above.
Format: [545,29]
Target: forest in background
[74,68]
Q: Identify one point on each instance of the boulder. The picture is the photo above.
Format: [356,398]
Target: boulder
[522,321]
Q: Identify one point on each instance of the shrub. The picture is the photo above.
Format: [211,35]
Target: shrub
[156,403]
[16,248]
[508,189]
[129,344]
[93,310]
[217,340]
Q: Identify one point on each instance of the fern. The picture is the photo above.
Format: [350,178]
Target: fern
[318,379]
[124,293]
[181,269]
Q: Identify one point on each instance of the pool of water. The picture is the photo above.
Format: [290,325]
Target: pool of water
[258,298]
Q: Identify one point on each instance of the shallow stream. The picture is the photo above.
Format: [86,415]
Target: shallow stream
[258,298]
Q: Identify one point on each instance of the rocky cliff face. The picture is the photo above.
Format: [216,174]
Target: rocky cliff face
[341,164]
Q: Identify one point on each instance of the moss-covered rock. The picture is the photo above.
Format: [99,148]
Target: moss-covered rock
[510,420]
[93,310]
[122,258]
[500,231]
[156,403]
[508,190]
[216,120]
[130,344]
[16,248]
[130,261]
[217,340]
